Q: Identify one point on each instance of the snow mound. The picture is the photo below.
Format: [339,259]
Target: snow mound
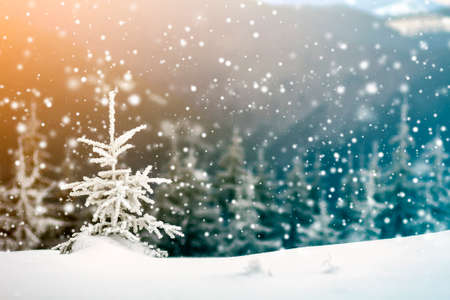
[105,268]
[86,242]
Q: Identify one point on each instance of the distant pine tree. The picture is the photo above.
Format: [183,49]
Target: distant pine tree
[25,215]
[72,211]
[298,204]
[188,202]
[320,232]
[170,202]
[242,231]
[348,215]
[437,184]
[243,234]
[370,207]
[270,213]
[229,176]
[402,193]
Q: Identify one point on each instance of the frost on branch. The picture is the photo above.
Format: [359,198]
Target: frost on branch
[117,194]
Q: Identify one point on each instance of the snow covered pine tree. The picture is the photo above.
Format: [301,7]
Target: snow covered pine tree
[320,232]
[269,212]
[298,204]
[370,208]
[402,194]
[187,203]
[235,186]
[348,215]
[23,213]
[437,183]
[117,194]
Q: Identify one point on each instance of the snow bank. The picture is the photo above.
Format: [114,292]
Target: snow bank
[103,268]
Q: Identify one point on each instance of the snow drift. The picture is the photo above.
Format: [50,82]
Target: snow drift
[103,268]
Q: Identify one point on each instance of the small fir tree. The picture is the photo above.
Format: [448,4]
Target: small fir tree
[116,193]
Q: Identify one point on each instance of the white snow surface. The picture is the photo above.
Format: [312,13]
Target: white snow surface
[104,268]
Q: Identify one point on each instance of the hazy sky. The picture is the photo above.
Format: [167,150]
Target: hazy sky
[359,3]
[389,7]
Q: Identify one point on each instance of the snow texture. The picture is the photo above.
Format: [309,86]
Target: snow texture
[103,268]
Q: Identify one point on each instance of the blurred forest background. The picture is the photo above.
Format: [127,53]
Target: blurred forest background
[281,126]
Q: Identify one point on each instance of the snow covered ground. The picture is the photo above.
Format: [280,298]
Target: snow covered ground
[403,268]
